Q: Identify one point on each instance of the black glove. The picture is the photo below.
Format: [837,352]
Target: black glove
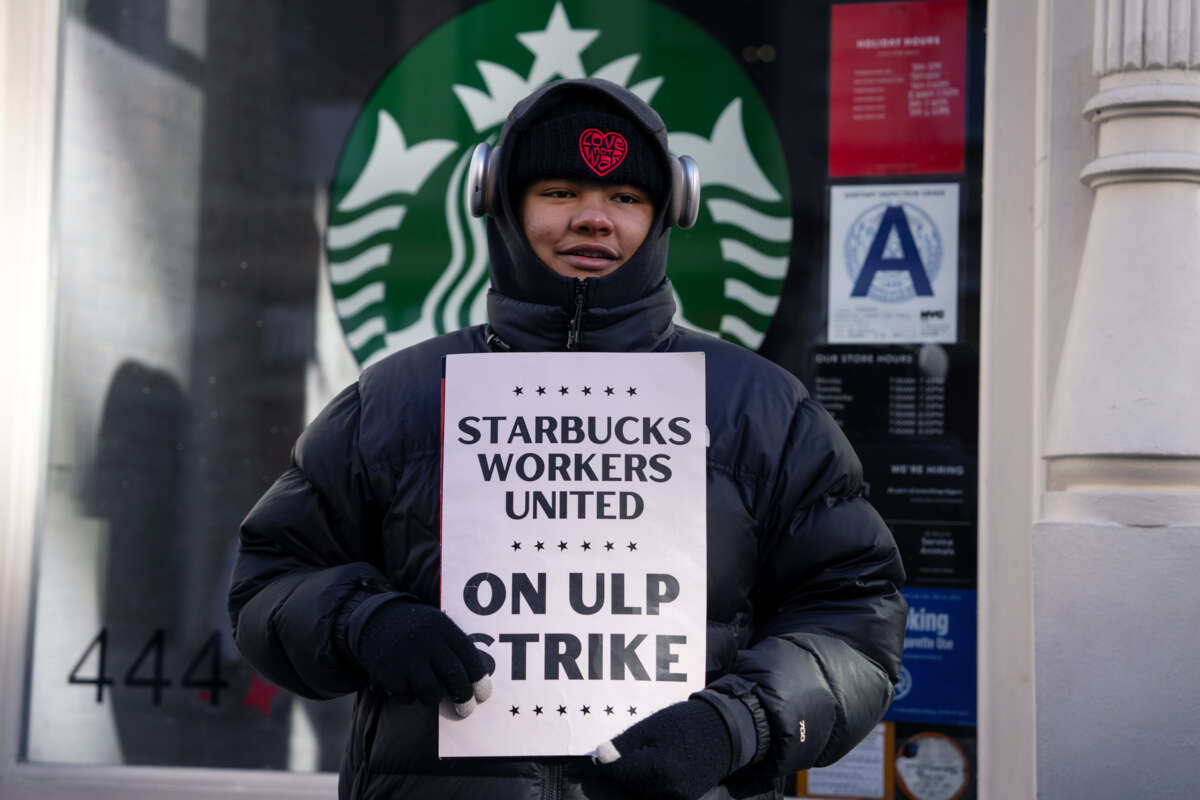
[415,652]
[677,753]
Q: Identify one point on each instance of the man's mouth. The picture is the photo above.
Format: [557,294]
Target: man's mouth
[588,256]
[588,251]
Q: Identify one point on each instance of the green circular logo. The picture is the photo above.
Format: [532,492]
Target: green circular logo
[407,261]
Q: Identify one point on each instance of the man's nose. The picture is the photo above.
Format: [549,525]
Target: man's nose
[590,217]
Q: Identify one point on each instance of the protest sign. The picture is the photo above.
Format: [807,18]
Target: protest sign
[573,542]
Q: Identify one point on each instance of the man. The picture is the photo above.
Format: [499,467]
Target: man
[336,585]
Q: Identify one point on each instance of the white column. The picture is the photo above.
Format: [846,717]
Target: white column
[1005,767]
[1116,612]
[1127,383]
[28,77]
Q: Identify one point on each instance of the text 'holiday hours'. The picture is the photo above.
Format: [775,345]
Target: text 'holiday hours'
[573,541]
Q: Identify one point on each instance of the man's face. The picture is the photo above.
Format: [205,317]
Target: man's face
[582,229]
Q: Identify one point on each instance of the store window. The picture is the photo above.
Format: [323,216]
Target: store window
[255,201]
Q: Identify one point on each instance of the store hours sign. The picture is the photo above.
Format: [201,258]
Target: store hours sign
[573,542]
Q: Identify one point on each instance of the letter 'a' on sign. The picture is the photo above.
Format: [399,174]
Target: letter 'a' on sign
[573,542]
[894,223]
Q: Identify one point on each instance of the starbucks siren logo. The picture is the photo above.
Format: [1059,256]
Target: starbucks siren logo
[406,259]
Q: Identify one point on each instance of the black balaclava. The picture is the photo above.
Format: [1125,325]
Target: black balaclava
[519,277]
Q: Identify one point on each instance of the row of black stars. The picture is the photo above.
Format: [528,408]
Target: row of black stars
[562,711]
[587,390]
[539,546]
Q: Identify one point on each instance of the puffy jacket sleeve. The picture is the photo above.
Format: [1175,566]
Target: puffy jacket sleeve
[829,617]
[307,557]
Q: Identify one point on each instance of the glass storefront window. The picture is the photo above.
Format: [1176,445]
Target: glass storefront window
[192,140]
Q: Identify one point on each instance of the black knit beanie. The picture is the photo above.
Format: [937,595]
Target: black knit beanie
[586,142]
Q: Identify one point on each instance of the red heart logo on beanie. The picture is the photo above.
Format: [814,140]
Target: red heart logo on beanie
[603,152]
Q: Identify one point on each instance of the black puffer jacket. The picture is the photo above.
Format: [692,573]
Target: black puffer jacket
[805,621]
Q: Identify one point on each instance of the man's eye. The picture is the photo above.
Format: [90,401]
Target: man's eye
[557,193]
[625,198]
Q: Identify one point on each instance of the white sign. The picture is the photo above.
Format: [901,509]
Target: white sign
[858,774]
[893,263]
[931,767]
[573,542]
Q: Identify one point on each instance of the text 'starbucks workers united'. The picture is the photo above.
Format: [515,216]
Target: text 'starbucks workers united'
[406,259]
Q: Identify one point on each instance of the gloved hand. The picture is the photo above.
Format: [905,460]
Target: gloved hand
[678,753]
[414,651]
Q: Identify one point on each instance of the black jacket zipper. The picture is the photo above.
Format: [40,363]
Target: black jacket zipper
[573,332]
[495,343]
[554,780]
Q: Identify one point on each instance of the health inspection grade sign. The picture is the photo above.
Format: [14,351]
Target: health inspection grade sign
[573,542]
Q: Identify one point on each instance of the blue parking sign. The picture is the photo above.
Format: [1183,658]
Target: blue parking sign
[937,682]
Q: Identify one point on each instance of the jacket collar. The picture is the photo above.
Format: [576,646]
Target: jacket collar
[643,325]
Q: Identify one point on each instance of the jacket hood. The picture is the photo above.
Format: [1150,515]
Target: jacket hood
[516,272]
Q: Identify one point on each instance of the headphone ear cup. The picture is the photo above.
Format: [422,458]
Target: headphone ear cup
[477,199]
[676,193]
[689,191]
[491,196]
[481,180]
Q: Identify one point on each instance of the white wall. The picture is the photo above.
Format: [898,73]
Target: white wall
[1035,220]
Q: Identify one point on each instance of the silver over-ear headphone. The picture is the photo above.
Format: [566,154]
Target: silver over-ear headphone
[482,199]
[481,180]
[685,192]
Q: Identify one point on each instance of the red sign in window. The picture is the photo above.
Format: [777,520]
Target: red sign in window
[897,88]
